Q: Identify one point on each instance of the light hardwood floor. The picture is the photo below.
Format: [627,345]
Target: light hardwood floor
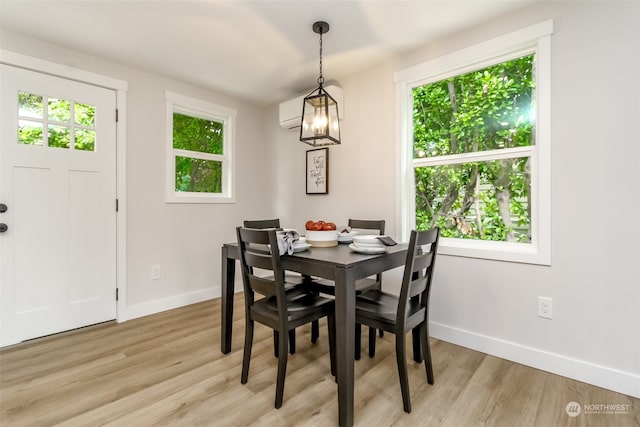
[167,369]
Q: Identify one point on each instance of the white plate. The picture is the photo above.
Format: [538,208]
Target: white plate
[367,240]
[301,248]
[367,249]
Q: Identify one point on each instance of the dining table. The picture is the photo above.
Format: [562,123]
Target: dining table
[339,264]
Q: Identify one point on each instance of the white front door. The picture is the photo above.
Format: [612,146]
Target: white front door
[58,183]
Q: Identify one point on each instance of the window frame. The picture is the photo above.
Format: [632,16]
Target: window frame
[181,104]
[533,39]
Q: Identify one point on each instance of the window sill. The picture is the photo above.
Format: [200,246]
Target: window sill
[498,251]
[199,198]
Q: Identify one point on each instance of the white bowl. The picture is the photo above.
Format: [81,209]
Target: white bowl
[322,238]
[349,232]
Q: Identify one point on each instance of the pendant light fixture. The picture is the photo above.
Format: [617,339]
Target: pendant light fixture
[320,125]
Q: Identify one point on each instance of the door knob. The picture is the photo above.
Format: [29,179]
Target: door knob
[3,207]
[3,227]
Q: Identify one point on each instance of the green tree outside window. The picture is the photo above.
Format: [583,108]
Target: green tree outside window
[489,110]
[194,136]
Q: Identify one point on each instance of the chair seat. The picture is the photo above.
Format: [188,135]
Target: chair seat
[300,307]
[383,307]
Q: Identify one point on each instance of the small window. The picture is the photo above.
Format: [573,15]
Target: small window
[200,150]
[56,123]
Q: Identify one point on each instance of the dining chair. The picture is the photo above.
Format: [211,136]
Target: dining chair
[367,283]
[401,314]
[362,285]
[292,280]
[278,309]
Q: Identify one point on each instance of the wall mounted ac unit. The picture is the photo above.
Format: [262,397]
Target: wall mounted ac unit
[291,110]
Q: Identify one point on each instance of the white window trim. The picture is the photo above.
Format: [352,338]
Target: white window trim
[536,38]
[210,111]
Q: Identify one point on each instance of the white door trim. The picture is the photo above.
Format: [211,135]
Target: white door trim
[36,64]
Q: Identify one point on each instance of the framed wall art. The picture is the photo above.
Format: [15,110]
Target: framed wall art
[318,171]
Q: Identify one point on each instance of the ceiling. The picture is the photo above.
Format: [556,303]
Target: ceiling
[260,50]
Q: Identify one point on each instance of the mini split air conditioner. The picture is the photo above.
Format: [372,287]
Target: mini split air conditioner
[291,110]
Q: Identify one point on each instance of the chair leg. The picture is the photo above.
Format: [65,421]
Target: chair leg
[246,358]
[401,358]
[426,351]
[358,341]
[331,326]
[380,333]
[417,345]
[282,372]
[292,341]
[275,343]
[372,341]
[315,331]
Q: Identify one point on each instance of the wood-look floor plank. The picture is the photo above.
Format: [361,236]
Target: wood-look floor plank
[167,369]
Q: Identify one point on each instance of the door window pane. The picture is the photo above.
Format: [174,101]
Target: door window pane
[30,105]
[85,115]
[85,140]
[29,132]
[59,110]
[59,136]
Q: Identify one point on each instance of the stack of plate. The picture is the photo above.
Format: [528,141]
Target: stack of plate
[301,245]
[367,245]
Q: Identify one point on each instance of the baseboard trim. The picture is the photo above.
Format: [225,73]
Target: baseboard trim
[580,370]
[169,303]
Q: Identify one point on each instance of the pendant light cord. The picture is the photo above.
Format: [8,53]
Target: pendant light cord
[320,79]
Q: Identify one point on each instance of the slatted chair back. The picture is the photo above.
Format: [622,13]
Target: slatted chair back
[416,281]
[262,223]
[368,224]
[254,254]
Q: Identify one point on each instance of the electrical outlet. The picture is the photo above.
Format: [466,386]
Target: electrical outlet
[155,272]
[544,307]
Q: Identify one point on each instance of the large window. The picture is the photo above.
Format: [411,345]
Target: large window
[475,148]
[200,151]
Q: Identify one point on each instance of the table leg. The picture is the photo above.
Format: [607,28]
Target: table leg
[345,331]
[227,285]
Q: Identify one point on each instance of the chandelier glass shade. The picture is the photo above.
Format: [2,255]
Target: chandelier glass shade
[320,125]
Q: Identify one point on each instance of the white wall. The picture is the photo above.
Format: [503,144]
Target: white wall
[358,187]
[594,278]
[184,239]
